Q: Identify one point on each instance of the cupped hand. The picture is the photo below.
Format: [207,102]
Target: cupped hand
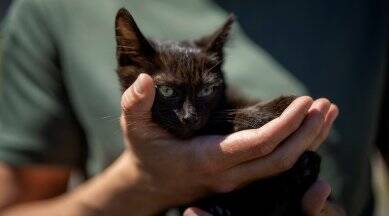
[173,172]
[315,203]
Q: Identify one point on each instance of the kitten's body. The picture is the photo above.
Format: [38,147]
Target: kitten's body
[192,99]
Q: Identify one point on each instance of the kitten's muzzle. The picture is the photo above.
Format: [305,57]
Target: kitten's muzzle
[189,119]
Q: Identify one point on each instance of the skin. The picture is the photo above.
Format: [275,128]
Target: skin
[143,180]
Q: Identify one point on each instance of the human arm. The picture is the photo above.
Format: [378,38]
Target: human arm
[152,174]
[41,190]
[41,71]
[30,183]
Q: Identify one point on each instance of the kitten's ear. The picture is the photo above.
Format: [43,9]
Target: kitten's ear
[214,43]
[132,46]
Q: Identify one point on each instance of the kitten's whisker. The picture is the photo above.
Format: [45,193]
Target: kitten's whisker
[217,63]
[112,119]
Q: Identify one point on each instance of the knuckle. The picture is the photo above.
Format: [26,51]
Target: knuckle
[128,99]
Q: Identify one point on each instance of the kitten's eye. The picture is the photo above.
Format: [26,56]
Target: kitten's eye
[206,91]
[166,91]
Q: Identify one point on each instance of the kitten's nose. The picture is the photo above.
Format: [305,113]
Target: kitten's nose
[189,118]
[189,114]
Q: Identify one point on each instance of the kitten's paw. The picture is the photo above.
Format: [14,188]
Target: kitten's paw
[278,105]
[257,115]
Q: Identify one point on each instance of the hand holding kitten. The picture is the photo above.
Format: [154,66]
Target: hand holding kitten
[170,172]
[315,203]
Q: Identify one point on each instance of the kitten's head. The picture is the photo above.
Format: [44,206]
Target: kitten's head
[187,74]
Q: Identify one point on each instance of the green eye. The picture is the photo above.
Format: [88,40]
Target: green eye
[206,91]
[166,91]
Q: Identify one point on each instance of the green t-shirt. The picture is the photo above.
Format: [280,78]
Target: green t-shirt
[60,98]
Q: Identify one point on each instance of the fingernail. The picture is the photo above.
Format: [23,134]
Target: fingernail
[139,84]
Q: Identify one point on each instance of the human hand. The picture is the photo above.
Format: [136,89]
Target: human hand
[315,203]
[171,172]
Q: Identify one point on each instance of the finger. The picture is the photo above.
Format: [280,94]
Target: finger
[283,157]
[136,104]
[328,122]
[248,144]
[139,96]
[321,105]
[315,198]
[195,212]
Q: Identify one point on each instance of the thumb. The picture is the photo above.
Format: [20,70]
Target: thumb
[136,103]
[139,97]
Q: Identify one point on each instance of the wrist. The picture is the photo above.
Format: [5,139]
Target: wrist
[119,189]
[141,189]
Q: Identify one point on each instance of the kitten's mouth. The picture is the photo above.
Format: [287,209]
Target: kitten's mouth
[179,128]
[186,131]
[185,134]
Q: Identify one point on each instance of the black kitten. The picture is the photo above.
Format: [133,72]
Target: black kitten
[192,99]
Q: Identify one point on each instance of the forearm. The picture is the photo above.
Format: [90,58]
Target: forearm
[113,192]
